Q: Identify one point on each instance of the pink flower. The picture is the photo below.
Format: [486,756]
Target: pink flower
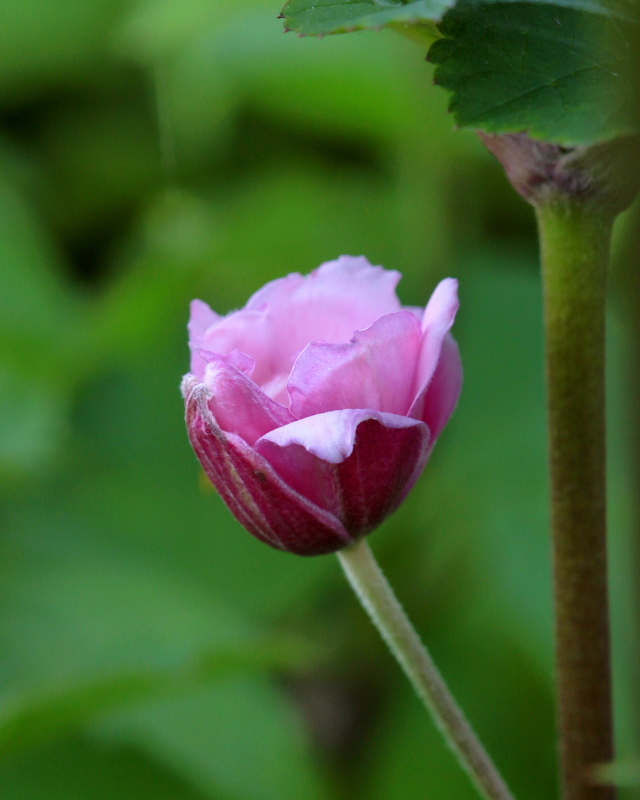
[311,432]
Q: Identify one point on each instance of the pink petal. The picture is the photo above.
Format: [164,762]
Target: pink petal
[285,315]
[240,331]
[238,405]
[444,389]
[329,436]
[200,320]
[439,316]
[356,464]
[235,358]
[376,370]
[260,500]
[349,284]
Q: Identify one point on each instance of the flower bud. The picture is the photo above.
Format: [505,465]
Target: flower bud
[313,410]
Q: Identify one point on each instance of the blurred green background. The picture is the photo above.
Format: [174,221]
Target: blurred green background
[151,152]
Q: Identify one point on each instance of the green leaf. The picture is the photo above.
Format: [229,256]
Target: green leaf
[313,19]
[343,16]
[555,70]
[613,9]
[558,69]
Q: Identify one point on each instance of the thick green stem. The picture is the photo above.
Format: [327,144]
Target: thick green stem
[575,241]
[377,597]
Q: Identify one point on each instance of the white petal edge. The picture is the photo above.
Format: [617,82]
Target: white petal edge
[331,436]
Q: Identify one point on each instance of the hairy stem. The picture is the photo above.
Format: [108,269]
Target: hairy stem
[377,597]
[575,239]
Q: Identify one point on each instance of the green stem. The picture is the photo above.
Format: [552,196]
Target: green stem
[377,597]
[575,241]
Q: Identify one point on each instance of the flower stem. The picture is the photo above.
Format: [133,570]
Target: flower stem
[377,597]
[575,240]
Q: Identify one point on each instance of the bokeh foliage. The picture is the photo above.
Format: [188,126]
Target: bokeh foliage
[150,648]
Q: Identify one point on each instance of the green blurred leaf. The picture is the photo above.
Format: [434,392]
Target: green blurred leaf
[39,318]
[499,431]
[153,29]
[45,42]
[202,735]
[33,423]
[35,717]
[103,159]
[85,616]
[38,715]
[623,773]
[559,73]
[37,310]
[84,770]
[175,241]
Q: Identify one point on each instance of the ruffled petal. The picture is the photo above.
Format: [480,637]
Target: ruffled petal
[357,464]
[285,315]
[248,332]
[439,316]
[238,405]
[260,500]
[235,358]
[376,370]
[349,285]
